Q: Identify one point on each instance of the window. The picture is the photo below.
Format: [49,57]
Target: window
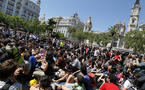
[8,12]
[13,0]
[1,5]
[17,12]
[1,0]
[10,8]
[26,3]
[11,3]
[133,20]
[18,7]
[132,26]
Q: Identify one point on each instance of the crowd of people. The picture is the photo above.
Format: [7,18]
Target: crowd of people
[29,62]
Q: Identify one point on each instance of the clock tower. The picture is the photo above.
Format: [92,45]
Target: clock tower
[134,17]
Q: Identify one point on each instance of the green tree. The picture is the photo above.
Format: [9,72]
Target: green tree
[114,32]
[2,17]
[72,29]
[105,38]
[79,34]
[136,40]
[34,26]
[90,36]
[51,25]
[97,38]
[16,22]
[61,36]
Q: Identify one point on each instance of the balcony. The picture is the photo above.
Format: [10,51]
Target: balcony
[17,12]
[19,4]
[18,7]
[9,12]
[13,0]
[11,9]
[11,3]
[1,5]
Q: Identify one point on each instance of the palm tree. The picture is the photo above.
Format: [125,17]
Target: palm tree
[114,34]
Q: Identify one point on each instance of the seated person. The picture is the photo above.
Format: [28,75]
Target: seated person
[77,85]
[44,84]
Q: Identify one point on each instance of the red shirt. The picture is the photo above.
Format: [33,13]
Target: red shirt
[109,53]
[116,57]
[109,86]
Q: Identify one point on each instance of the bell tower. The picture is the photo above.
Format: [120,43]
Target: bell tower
[134,17]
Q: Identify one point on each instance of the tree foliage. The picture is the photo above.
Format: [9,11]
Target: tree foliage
[72,29]
[32,26]
[79,34]
[51,25]
[136,40]
[103,38]
[114,33]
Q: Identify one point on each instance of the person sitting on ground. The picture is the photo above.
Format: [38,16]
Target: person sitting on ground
[110,83]
[8,80]
[44,84]
[87,79]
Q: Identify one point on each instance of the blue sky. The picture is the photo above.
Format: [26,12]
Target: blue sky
[104,13]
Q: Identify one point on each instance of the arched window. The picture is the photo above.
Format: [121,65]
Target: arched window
[133,20]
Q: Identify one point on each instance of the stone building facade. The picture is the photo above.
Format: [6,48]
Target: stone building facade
[63,24]
[22,8]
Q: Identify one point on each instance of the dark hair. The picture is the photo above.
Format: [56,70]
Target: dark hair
[6,41]
[113,79]
[99,64]
[126,74]
[84,69]
[26,55]
[7,68]
[112,71]
[80,80]
[44,82]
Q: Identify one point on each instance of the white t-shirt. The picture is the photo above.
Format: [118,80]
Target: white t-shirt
[2,83]
[77,63]
[127,85]
[96,52]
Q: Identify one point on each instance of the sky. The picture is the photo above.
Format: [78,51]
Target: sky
[104,13]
